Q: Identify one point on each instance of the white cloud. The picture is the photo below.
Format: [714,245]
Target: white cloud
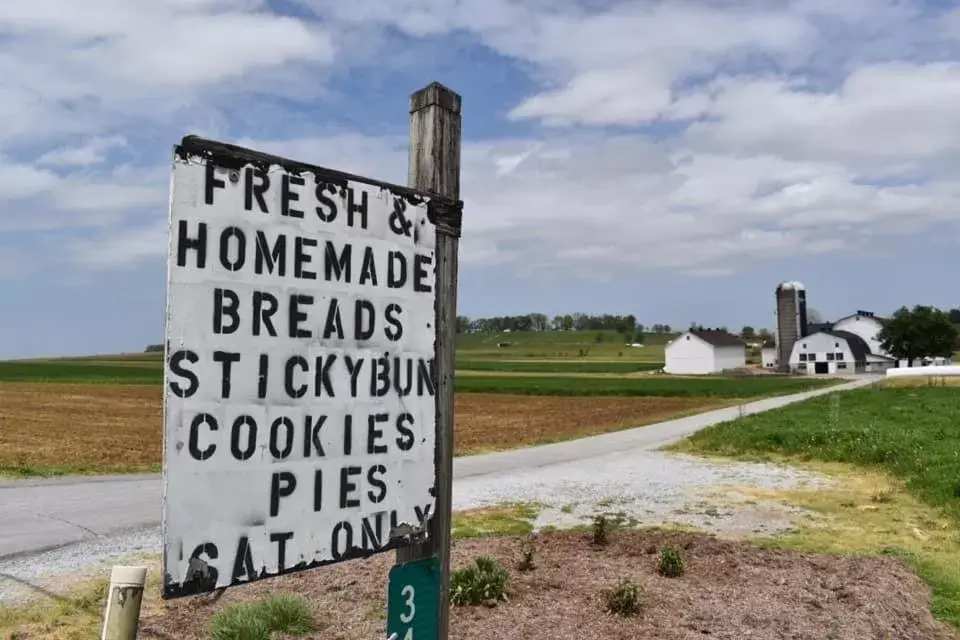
[18,180]
[92,151]
[39,199]
[118,249]
[881,113]
[774,128]
[89,67]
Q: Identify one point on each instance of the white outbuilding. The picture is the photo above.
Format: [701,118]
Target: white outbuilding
[768,355]
[702,352]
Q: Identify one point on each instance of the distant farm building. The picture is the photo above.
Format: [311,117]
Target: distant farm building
[791,310]
[849,345]
[768,355]
[702,352]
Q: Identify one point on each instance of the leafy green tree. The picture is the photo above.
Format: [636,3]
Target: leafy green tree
[748,333]
[955,316]
[463,324]
[921,332]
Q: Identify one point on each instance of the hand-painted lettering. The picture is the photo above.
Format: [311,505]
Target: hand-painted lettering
[177,369]
[300,369]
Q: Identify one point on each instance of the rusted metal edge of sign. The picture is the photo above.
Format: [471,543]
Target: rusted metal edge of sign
[201,581]
[445,213]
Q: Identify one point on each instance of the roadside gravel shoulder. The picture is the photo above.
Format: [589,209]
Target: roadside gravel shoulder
[635,489]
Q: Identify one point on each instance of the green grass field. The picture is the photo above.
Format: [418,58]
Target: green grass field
[83,371]
[101,372]
[908,434]
[911,433]
[553,338]
[560,346]
[528,352]
[654,386]
[542,366]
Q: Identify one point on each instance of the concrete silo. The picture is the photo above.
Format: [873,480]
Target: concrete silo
[791,320]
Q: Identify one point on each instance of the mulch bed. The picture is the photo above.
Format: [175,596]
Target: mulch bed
[731,590]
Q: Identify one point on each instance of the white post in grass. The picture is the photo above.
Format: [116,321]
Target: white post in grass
[121,618]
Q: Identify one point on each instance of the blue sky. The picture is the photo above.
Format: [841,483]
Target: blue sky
[675,160]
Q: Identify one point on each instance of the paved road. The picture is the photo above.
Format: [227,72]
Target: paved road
[38,515]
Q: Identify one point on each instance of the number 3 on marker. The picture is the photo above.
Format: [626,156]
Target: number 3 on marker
[405,618]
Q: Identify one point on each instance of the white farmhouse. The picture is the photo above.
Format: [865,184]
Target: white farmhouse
[700,352]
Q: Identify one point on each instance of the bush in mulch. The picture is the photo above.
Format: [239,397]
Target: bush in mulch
[600,528]
[624,599]
[527,550]
[285,615]
[671,562]
[483,583]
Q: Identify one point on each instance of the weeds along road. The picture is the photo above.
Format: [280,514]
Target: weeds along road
[40,515]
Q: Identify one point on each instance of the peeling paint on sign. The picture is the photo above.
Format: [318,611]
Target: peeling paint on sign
[300,382]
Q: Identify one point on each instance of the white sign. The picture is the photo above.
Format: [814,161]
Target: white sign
[299,393]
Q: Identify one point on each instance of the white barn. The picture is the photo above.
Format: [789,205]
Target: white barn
[701,352]
[867,326]
[830,352]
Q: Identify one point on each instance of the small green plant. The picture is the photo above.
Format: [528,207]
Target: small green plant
[528,547]
[284,615]
[238,622]
[671,562]
[287,615]
[483,583]
[600,530]
[624,598]
[883,495]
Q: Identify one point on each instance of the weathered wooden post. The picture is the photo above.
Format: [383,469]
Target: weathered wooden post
[434,166]
[121,618]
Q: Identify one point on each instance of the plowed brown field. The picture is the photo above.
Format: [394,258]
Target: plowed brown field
[78,428]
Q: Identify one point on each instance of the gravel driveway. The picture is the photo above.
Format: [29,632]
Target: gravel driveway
[642,487]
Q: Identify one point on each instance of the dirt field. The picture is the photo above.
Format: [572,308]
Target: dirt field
[731,590]
[506,421]
[67,428]
[78,428]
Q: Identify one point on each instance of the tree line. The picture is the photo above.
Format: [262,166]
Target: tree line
[921,332]
[623,324]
